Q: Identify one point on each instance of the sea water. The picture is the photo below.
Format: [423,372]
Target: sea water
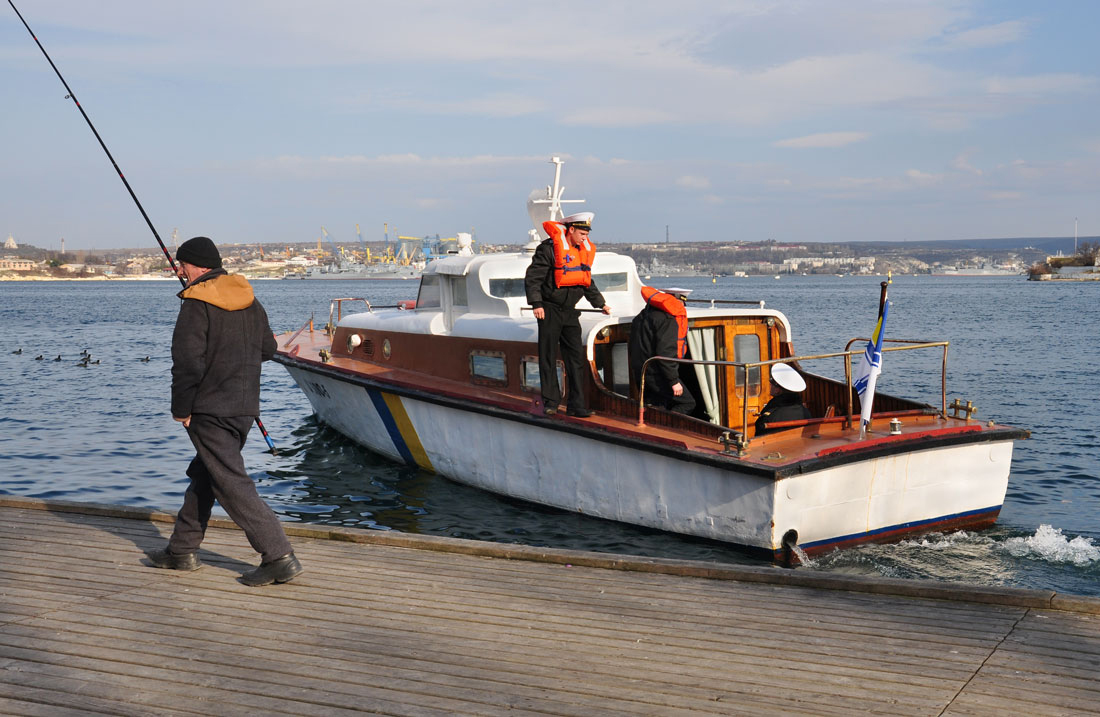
[1026,353]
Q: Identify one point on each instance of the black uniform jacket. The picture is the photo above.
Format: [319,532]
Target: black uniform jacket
[653,333]
[221,337]
[787,406]
[541,289]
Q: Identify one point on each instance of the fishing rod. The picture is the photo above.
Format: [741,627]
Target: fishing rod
[167,255]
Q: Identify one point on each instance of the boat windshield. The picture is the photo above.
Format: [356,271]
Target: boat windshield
[510,288]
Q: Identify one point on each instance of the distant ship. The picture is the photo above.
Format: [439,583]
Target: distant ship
[983,270]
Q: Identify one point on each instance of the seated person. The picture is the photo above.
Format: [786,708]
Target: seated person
[786,405]
[660,329]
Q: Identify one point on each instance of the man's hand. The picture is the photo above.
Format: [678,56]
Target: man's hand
[677,389]
[187,421]
[540,313]
[606,309]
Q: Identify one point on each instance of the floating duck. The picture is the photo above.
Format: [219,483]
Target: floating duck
[144,360]
[38,357]
[58,357]
[17,351]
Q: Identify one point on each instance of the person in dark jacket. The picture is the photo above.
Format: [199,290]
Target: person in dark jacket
[655,332]
[559,321]
[221,338]
[786,403]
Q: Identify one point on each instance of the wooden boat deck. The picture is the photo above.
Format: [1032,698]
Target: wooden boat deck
[415,625]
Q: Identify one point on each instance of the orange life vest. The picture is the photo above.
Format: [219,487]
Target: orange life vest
[572,264]
[674,308]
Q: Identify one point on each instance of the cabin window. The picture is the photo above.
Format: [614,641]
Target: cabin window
[611,282]
[746,349]
[506,288]
[429,297]
[488,367]
[458,292]
[529,373]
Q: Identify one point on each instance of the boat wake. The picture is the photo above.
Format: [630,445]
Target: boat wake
[1050,545]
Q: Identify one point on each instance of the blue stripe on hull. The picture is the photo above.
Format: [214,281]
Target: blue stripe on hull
[388,421]
[900,527]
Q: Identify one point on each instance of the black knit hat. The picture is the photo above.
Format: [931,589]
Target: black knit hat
[200,251]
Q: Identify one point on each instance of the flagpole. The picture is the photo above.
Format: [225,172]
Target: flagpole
[882,292]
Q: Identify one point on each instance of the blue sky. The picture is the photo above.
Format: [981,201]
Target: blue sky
[794,120]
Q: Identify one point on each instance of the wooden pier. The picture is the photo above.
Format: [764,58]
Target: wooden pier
[413,625]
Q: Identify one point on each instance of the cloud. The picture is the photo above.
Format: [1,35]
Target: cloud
[1002,33]
[923,178]
[962,163]
[823,140]
[492,105]
[1040,84]
[693,182]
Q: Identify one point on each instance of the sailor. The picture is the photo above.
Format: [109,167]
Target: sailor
[660,329]
[559,275]
[221,337]
[786,403]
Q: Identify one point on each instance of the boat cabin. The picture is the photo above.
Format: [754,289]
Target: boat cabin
[470,324]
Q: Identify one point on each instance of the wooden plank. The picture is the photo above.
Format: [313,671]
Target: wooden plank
[409,631]
[474,664]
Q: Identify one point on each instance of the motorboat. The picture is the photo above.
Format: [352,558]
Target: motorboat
[449,382]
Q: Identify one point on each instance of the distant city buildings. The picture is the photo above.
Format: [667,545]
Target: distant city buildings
[11,263]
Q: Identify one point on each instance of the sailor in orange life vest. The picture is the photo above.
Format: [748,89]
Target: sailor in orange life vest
[660,329]
[559,275]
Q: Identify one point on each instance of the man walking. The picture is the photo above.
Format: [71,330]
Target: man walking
[559,275]
[221,337]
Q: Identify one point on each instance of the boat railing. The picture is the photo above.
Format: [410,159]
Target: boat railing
[847,354]
[336,310]
[715,302]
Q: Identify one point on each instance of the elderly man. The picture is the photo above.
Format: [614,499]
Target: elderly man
[559,275]
[221,338]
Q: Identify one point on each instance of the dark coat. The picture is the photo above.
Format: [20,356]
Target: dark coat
[221,338]
[653,333]
[787,406]
[541,288]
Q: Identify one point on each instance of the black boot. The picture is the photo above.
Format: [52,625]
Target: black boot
[172,561]
[280,570]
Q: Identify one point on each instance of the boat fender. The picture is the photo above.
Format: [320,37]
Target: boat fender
[790,542]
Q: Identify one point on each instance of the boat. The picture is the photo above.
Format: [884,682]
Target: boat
[449,382]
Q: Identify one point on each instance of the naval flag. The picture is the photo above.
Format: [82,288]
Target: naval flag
[870,366]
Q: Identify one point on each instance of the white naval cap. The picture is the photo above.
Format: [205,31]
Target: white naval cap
[788,378]
[581,220]
[678,292]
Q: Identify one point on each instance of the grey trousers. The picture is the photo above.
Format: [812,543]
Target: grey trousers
[217,473]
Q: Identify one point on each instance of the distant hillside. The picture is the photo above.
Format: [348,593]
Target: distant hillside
[1047,245]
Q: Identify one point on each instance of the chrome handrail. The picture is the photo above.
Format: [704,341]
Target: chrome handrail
[337,307]
[847,354]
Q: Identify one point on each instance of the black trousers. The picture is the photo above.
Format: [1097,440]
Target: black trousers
[658,392]
[561,329]
[217,473]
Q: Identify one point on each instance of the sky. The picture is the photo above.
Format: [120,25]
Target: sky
[731,120]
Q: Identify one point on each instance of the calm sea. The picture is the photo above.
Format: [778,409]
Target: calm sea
[1026,353]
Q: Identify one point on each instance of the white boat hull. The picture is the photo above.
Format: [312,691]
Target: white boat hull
[556,464]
